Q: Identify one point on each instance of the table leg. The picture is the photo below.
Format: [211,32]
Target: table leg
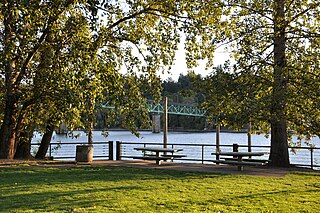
[158,162]
[240,168]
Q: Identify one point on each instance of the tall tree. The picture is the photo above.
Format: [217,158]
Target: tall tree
[275,78]
[28,46]
[64,56]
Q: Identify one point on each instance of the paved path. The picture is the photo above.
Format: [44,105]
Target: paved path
[208,168]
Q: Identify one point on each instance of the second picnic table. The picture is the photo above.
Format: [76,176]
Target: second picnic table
[158,154]
[237,158]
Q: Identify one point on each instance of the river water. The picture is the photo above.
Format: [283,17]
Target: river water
[302,156]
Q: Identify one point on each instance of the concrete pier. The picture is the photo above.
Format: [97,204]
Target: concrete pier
[156,123]
[62,128]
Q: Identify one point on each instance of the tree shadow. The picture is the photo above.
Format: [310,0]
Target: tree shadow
[31,188]
[57,200]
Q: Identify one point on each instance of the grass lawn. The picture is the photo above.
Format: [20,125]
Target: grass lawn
[120,189]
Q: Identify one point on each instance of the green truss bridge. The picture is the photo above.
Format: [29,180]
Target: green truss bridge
[173,109]
[156,109]
[176,109]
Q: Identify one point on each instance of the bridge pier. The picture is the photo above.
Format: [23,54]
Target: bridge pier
[62,128]
[156,123]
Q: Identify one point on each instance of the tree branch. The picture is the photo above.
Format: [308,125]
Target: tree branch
[303,12]
[30,56]
[289,5]
[168,14]
[127,18]
[144,11]
[260,12]
[45,32]
[303,34]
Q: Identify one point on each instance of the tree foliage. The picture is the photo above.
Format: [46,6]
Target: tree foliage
[60,58]
[274,81]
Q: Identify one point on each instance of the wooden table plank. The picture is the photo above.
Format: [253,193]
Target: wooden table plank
[238,158]
[240,153]
[157,156]
[155,149]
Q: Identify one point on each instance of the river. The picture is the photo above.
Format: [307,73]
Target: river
[226,138]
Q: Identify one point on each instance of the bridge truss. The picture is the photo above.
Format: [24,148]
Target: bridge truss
[177,109]
[174,109]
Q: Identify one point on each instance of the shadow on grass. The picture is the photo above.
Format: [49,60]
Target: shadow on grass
[58,200]
[38,175]
[47,188]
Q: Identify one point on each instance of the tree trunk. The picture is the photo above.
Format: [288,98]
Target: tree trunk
[90,134]
[279,154]
[8,131]
[45,142]
[24,145]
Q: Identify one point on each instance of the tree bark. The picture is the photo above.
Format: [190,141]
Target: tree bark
[279,154]
[8,135]
[24,145]
[45,142]
[8,130]
[90,134]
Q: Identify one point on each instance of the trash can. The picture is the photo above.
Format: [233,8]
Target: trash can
[84,153]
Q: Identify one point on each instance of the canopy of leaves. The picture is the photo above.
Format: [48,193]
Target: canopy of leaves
[245,91]
[60,59]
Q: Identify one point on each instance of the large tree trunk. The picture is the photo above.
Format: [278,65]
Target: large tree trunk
[279,141]
[24,145]
[45,142]
[8,127]
[8,131]
[8,136]
[279,155]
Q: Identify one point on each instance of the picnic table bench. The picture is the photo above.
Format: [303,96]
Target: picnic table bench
[158,154]
[239,160]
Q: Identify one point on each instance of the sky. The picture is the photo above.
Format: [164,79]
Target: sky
[180,65]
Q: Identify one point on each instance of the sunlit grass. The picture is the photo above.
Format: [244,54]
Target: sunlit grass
[112,189]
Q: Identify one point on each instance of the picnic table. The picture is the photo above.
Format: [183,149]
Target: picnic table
[158,154]
[239,160]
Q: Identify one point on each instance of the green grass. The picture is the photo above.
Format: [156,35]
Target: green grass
[119,189]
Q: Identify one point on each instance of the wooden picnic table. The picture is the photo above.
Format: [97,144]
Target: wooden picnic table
[158,154]
[237,158]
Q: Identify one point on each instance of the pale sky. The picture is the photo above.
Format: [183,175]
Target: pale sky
[180,64]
